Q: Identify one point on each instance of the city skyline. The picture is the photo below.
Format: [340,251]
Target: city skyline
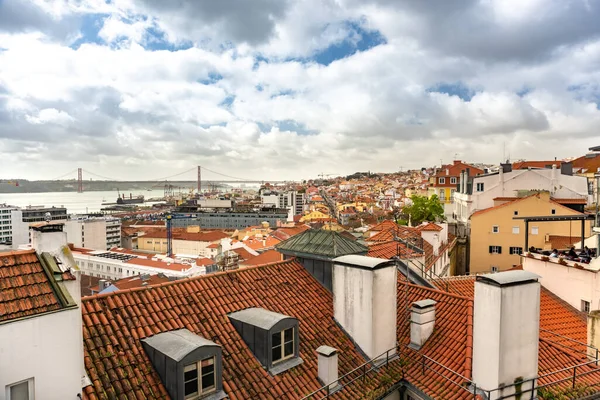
[289,90]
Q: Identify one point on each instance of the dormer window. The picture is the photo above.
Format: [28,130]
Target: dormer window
[188,365]
[283,345]
[272,337]
[199,378]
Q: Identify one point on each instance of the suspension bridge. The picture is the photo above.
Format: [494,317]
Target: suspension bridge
[78,174]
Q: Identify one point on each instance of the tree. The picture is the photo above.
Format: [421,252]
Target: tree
[424,208]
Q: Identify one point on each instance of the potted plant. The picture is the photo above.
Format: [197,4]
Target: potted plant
[545,258]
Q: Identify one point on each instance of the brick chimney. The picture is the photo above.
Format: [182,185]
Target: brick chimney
[506,327]
[364,302]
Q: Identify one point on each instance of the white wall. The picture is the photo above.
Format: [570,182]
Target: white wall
[48,348]
[569,283]
[500,356]
[509,183]
[365,306]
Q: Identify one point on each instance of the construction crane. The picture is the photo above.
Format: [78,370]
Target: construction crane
[169,224]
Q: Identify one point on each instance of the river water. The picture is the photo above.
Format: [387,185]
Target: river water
[86,202]
[76,203]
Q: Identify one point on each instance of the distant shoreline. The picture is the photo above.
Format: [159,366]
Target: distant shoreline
[70,186]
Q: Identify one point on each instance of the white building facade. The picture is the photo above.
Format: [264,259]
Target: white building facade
[480,194]
[114,265]
[96,233]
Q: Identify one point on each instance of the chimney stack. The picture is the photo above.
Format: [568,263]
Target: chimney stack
[422,322]
[506,328]
[328,366]
[364,302]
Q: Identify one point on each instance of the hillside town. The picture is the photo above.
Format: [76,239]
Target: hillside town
[456,281]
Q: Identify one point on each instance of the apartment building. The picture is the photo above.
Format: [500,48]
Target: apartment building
[444,182]
[498,235]
[188,241]
[290,200]
[11,230]
[478,192]
[97,233]
[119,263]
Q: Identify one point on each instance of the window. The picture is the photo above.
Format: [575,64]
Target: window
[442,181]
[516,250]
[453,180]
[442,194]
[20,391]
[585,306]
[534,230]
[199,378]
[283,345]
[494,269]
[515,212]
[480,187]
[495,229]
[553,211]
[452,191]
[495,249]
[516,230]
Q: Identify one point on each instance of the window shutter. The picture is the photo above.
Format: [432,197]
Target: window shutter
[499,249]
[490,249]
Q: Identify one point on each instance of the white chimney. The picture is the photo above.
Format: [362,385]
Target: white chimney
[593,334]
[506,328]
[447,172]
[422,322]
[328,366]
[364,302]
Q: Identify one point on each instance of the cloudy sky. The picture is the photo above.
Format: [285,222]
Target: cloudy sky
[276,89]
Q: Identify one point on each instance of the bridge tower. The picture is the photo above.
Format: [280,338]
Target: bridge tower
[79,180]
[199,180]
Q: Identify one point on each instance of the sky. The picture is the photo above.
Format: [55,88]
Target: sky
[288,89]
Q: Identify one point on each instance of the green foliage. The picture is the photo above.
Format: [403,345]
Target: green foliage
[424,208]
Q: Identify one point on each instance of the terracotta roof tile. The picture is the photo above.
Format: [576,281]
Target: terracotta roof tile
[118,366]
[556,318]
[25,288]
[268,257]
[391,249]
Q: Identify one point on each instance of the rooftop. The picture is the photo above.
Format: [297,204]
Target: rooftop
[317,242]
[26,287]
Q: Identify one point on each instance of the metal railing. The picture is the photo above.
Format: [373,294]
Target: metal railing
[527,388]
[360,372]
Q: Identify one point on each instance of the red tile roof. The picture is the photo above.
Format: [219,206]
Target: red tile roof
[454,170]
[204,261]
[588,163]
[535,164]
[268,257]
[25,288]
[513,202]
[158,264]
[430,226]
[137,281]
[182,234]
[391,249]
[243,253]
[556,318]
[114,324]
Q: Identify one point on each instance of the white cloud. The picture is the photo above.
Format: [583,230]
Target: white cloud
[248,109]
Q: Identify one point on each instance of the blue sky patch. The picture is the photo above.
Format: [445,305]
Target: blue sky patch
[90,27]
[453,89]
[295,126]
[367,39]
[213,77]
[156,40]
[227,102]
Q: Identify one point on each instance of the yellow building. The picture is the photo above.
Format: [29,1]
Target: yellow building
[315,216]
[497,239]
